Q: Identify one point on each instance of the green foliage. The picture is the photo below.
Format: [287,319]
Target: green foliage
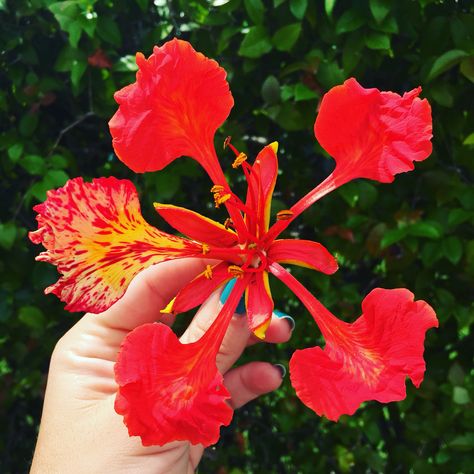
[281,56]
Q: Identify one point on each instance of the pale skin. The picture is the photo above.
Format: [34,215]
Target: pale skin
[80,431]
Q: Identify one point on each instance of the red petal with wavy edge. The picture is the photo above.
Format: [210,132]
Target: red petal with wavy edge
[259,304]
[196,226]
[96,236]
[366,360]
[174,108]
[170,391]
[198,290]
[304,253]
[261,185]
[373,134]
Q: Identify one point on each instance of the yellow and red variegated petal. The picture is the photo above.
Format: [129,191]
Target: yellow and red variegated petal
[179,100]
[169,391]
[196,226]
[262,183]
[198,290]
[304,253]
[96,236]
[373,134]
[259,304]
[369,359]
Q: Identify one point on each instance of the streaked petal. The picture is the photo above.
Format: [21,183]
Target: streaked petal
[179,100]
[169,391]
[366,360]
[259,304]
[196,226]
[198,290]
[373,134]
[304,253]
[262,183]
[96,236]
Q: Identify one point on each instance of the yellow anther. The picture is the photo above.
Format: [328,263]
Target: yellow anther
[241,157]
[217,188]
[284,215]
[169,307]
[204,249]
[252,246]
[208,272]
[228,223]
[236,271]
[221,198]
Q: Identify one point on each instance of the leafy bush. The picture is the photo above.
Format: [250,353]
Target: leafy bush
[60,64]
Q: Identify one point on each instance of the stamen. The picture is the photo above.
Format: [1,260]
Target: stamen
[217,188]
[219,196]
[236,271]
[227,142]
[241,157]
[228,223]
[204,249]
[208,272]
[284,215]
[253,245]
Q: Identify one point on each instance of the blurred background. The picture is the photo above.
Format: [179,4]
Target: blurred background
[60,63]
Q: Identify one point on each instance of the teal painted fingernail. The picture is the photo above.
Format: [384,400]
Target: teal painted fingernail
[289,319]
[225,295]
[282,369]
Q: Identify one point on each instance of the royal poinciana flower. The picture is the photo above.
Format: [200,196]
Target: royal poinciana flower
[95,235]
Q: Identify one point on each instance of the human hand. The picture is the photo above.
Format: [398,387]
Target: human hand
[80,431]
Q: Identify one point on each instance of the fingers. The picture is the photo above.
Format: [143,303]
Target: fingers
[150,291]
[279,331]
[251,380]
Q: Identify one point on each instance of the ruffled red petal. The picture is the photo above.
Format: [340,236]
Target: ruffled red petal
[170,391]
[367,360]
[96,236]
[259,304]
[373,134]
[196,226]
[304,253]
[179,100]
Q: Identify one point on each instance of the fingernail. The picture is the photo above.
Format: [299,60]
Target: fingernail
[289,319]
[282,369]
[225,295]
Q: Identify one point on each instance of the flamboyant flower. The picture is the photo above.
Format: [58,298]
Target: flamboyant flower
[95,235]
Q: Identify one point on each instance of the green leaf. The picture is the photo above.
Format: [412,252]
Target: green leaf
[452,248]
[330,74]
[428,229]
[303,92]
[108,30]
[256,43]
[463,442]
[461,396]
[286,37]
[28,124]
[375,40]
[458,216]
[34,164]
[126,64]
[32,317]
[380,9]
[350,20]
[467,68]
[15,151]
[445,62]
[469,140]
[255,10]
[329,6]
[8,233]
[298,8]
[271,90]
[352,51]
[393,236]
[78,68]
[67,57]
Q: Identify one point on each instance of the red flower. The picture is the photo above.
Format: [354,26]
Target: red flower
[96,236]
